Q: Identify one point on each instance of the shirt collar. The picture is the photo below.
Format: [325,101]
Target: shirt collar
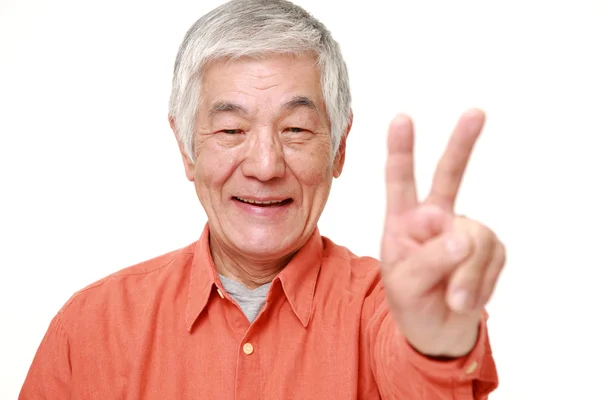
[298,279]
[203,277]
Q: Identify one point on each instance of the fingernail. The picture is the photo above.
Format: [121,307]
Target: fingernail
[458,300]
[458,245]
[400,119]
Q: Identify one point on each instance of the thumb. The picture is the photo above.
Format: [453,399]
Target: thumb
[432,262]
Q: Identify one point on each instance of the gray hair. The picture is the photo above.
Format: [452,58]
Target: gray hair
[255,28]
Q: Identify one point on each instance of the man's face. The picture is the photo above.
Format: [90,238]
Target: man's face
[263,149]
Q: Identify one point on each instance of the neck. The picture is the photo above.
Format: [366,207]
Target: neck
[252,273]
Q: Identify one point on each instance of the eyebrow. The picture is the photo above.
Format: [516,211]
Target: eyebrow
[226,106]
[300,101]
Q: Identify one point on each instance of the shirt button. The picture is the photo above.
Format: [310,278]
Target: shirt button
[248,348]
[472,367]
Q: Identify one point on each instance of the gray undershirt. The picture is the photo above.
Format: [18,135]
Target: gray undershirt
[250,301]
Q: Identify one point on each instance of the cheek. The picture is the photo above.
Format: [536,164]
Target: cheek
[315,175]
[214,166]
[312,168]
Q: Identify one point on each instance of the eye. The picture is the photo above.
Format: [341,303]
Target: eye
[231,131]
[295,130]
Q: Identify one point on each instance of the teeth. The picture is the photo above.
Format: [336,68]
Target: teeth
[259,202]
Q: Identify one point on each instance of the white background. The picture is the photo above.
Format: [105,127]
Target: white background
[91,178]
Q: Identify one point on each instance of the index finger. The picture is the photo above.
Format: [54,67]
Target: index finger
[399,171]
[453,163]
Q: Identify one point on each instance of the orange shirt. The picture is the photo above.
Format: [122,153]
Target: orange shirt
[166,329]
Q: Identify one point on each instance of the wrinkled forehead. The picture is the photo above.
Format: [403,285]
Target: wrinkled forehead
[275,79]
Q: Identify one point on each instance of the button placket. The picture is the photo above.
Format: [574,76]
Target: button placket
[248,376]
[248,348]
[471,368]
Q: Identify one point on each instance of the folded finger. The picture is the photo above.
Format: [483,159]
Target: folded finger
[432,263]
[463,288]
[492,274]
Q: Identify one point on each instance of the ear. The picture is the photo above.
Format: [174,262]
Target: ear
[340,158]
[188,164]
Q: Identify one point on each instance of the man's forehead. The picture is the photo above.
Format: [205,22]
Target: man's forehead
[293,69]
[284,83]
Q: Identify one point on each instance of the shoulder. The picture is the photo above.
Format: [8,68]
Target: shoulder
[357,274]
[342,257]
[136,281]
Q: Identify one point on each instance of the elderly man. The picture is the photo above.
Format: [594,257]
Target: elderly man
[262,306]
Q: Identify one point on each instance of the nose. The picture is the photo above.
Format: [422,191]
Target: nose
[264,159]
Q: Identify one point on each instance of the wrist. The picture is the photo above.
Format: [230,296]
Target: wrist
[447,349]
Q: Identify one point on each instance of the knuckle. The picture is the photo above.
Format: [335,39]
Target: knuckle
[483,234]
[479,232]
[501,254]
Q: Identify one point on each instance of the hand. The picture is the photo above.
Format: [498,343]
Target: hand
[439,269]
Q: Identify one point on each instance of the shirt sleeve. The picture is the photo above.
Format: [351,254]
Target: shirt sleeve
[49,376]
[402,372]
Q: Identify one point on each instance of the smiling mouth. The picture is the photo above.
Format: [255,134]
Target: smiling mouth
[267,203]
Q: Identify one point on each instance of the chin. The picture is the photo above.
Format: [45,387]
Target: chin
[264,241]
